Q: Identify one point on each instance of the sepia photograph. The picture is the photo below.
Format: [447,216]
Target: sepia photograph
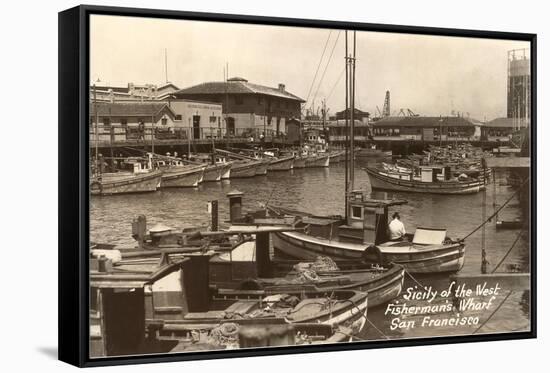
[260,185]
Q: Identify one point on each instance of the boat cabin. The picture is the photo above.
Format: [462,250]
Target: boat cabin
[368,218]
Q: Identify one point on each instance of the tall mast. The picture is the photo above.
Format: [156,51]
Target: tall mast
[166,63]
[96,133]
[352,115]
[347,134]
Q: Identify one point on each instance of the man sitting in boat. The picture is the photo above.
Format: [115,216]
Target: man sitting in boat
[397,228]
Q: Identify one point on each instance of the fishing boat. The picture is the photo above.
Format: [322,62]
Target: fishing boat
[182,175]
[263,165]
[281,164]
[336,156]
[174,298]
[317,160]
[239,268]
[372,152]
[244,168]
[299,162]
[363,238]
[433,179]
[214,170]
[136,176]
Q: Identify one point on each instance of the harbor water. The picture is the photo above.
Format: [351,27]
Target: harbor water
[320,191]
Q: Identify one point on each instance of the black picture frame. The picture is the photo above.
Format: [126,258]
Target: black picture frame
[73,179]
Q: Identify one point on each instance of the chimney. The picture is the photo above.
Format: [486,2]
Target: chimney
[281,87]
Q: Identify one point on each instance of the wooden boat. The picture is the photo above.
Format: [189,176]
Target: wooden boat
[182,176]
[213,172]
[373,153]
[299,162]
[414,257]
[281,164]
[263,165]
[239,268]
[317,160]
[177,297]
[428,183]
[336,156]
[363,238]
[243,168]
[139,178]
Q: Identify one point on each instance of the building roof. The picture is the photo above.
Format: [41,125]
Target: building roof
[506,123]
[236,86]
[129,109]
[426,122]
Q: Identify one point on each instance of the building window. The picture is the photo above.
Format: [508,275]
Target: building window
[356,212]
[164,121]
[238,100]
[260,100]
[178,117]
[106,122]
[124,122]
[213,119]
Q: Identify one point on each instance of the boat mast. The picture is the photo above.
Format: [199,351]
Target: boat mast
[352,115]
[347,134]
[98,168]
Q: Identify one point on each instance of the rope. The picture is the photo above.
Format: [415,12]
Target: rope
[508,252]
[326,67]
[318,66]
[378,330]
[337,81]
[496,212]
[414,279]
[493,313]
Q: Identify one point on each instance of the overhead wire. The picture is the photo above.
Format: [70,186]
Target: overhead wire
[318,66]
[326,66]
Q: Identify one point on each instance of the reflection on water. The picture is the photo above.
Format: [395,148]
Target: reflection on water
[320,191]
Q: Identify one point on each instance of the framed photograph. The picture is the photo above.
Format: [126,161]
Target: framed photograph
[232,186]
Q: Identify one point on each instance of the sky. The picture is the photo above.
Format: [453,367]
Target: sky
[431,75]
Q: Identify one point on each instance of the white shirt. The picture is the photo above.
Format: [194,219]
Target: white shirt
[397,229]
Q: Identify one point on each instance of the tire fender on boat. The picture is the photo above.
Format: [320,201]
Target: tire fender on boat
[373,254]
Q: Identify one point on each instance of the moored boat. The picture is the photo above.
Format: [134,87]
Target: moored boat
[281,164]
[317,160]
[429,182]
[137,177]
[244,168]
[182,176]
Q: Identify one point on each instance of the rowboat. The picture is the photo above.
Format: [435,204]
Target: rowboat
[281,164]
[319,160]
[182,176]
[429,182]
[237,269]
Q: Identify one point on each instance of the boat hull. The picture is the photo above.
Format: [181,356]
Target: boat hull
[281,164]
[124,184]
[213,172]
[244,170]
[185,178]
[262,168]
[447,258]
[299,163]
[383,182]
[318,161]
